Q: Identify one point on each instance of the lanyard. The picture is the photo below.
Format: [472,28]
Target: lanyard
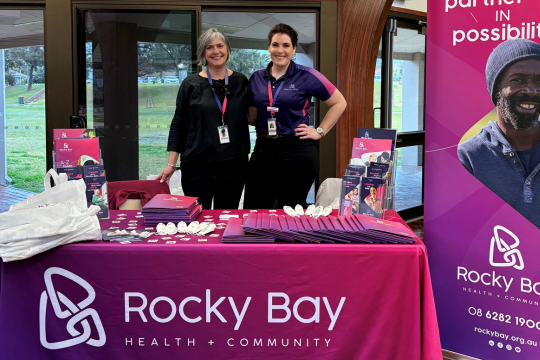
[271,99]
[222,110]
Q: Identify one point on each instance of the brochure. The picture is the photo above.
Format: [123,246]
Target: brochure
[76,152]
[93,171]
[385,134]
[73,173]
[367,151]
[377,170]
[96,194]
[349,195]
[73,134]
[356,170]
[372,196]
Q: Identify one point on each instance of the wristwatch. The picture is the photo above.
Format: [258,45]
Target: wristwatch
[320,131]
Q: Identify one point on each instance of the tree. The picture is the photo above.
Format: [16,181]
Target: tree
[32,57]
[169,57]
[246,61]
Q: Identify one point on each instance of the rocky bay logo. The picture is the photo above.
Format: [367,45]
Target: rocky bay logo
[79,312]
[512,256]
[66,146]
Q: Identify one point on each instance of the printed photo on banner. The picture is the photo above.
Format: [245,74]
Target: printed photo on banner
[505,154]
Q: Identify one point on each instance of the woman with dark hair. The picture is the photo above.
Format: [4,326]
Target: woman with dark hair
[285,160]
[210,128]
[383,158]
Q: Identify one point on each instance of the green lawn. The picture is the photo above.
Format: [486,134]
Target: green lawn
[25,143]
[157,102]
[396,109]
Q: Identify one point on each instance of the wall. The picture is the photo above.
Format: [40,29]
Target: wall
[418,5]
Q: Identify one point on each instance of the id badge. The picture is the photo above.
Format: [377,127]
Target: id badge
[223,132]
[272,127]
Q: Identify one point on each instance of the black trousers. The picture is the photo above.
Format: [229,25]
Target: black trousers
[222,181]
[281,172]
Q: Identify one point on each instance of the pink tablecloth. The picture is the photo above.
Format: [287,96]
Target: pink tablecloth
[160,300]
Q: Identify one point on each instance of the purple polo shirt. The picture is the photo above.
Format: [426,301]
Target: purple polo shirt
[301,83]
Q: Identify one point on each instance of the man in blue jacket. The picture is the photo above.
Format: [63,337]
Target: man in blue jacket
[505,155]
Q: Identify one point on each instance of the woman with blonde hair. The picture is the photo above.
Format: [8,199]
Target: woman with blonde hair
[210,128]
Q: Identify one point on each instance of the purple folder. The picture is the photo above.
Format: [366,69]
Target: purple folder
[235,233]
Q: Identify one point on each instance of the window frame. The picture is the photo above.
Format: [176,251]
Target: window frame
[395,20]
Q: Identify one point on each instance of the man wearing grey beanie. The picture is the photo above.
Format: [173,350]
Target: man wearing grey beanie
[505,155]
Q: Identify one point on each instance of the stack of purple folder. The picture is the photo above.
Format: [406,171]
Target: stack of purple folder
[166,208]
[264,227]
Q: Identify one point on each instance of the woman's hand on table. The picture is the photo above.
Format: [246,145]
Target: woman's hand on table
[165,174]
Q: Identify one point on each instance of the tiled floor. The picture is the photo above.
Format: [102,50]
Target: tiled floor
[10,195]
[418,228]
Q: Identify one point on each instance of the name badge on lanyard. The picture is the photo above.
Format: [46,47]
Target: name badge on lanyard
[223,130]
[272,122]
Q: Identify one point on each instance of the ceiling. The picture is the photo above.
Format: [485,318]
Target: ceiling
[21,28]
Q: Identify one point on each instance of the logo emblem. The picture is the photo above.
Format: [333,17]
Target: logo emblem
[64,135]
[512,256]
[79,313]
[291,87]
[366,135]
[66,146]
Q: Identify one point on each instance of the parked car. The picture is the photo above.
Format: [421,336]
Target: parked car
[171,80]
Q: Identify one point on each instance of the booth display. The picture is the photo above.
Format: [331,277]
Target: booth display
[481,198]
[170,295]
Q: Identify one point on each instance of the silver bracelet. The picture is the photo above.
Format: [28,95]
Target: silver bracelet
[173,166]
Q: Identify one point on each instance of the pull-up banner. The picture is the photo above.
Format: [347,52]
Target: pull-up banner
[482,187]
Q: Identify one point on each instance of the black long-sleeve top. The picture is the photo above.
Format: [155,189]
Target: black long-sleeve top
[194,127]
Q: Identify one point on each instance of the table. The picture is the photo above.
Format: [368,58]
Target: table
[101,300]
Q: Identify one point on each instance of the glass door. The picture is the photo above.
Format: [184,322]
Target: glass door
[133,62]
[22,103]
[399,104]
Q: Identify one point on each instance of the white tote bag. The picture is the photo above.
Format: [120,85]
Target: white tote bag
[69,192]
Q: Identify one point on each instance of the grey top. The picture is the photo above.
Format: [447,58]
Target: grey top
[491,159]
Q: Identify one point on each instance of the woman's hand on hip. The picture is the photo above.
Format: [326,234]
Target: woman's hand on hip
[306,132]
[165,174]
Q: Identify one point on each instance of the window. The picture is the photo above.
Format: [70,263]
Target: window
[399,84]
[22,100]
[134,62]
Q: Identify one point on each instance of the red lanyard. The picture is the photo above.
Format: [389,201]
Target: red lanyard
[271,99]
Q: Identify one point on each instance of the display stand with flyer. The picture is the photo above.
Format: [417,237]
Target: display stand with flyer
[369,181]
[76,152]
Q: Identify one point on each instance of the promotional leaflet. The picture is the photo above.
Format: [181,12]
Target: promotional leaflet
[76,152]
[73,173]
[73,134]
[96,194]
[377,170]
[93,171]
[371,196]
[349,195]
[356,170]
[366,151]
[384,134]
[482,197]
